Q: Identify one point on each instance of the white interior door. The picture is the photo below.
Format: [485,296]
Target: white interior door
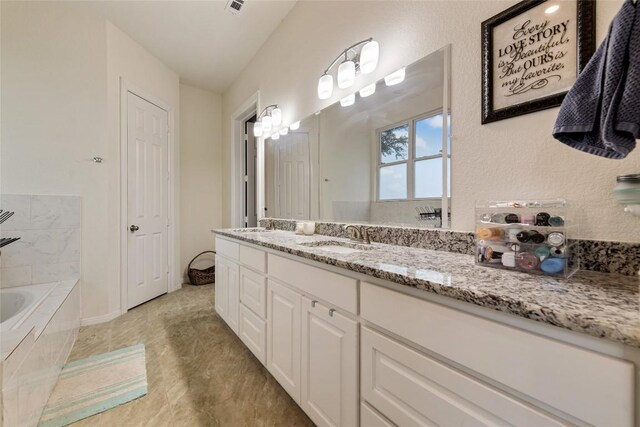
[294,185]
[147,179]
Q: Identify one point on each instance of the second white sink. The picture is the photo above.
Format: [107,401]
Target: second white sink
[337,247]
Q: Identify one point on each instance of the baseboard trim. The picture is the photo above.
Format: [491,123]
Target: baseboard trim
[87,321]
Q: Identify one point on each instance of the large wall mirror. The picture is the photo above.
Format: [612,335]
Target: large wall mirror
[385,159]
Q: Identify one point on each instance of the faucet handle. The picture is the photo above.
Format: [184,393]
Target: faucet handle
[366,234]
[356,231]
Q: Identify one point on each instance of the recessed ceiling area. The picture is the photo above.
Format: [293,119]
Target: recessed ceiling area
[204,43]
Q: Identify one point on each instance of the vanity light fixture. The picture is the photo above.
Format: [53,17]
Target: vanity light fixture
[284,131]
[325,86]
[368,90]
[369,57]
[257,129]
[275,136]
[348,100]
[346,74]
[270,117]
[395,77]
[266,123]
[276,116]
[295,125]
[365,61]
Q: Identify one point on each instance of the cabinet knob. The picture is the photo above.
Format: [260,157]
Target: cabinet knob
[331,311]
[313,303]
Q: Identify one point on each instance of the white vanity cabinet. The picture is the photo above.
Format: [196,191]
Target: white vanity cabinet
[329,365]
[240,293]
[283,337]
[253,310]
[312,339]
[227,291]
[455,380]
[353,353]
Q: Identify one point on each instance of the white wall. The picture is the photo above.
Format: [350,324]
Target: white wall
[511,158]
[60,106]
[200,172]
[54,120]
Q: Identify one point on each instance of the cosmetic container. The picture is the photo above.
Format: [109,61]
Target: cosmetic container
[532,236]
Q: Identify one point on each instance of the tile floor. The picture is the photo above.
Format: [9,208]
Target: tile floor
[199,372]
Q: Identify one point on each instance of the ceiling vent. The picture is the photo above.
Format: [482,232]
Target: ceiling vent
[234,6]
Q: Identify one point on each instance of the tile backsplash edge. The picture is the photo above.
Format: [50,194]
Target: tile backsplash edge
[596,255]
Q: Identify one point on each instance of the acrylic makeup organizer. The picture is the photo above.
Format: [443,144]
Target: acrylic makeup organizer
[531,236]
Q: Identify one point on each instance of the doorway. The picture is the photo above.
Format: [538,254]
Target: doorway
[249,157]
[245,166]
[146,198]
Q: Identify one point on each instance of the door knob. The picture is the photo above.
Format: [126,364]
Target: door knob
[134,228]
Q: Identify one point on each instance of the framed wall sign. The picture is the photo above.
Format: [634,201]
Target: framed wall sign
[532,54]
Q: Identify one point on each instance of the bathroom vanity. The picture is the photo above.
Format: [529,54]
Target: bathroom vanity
[383,335]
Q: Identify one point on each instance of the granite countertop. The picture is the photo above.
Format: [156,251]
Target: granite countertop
[598,304]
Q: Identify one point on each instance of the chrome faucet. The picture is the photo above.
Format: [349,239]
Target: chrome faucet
[359,234]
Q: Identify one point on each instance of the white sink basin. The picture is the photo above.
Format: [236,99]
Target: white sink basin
[337,247]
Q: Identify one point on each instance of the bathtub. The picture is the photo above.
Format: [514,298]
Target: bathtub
[38,326]
[18,304]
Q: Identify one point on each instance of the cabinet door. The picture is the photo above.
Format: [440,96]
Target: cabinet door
[329,366]
[221,288]
[252,332]
[253,291]
[233,292]
[283,337]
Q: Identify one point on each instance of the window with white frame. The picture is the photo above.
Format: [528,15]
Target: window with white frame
[410,159]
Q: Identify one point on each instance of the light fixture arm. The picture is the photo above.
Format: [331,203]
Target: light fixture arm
[267,110]
[345,52]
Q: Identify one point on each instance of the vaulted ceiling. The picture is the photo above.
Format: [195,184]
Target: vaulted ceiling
[200,40]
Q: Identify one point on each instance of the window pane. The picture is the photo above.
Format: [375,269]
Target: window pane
[393,182]
[449,177]
[428,175]
[429,136]
[394,144]
[449,134]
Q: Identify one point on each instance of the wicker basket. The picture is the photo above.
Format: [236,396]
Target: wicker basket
[201,277]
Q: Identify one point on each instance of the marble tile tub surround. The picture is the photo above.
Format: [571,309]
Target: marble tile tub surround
[596,255]
[50,239]
[601,305]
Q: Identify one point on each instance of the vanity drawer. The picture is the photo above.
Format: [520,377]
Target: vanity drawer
[370,418]
[227,248]
[338,290]
[252,330]
[410,388]
[592,387]
[253,258]
[253,291]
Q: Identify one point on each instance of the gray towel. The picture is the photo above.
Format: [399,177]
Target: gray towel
[601,113]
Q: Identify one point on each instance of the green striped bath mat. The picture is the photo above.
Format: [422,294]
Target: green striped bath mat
[89,386]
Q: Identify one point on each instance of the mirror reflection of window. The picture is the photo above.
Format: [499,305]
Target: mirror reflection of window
[394,154]
[410,159]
